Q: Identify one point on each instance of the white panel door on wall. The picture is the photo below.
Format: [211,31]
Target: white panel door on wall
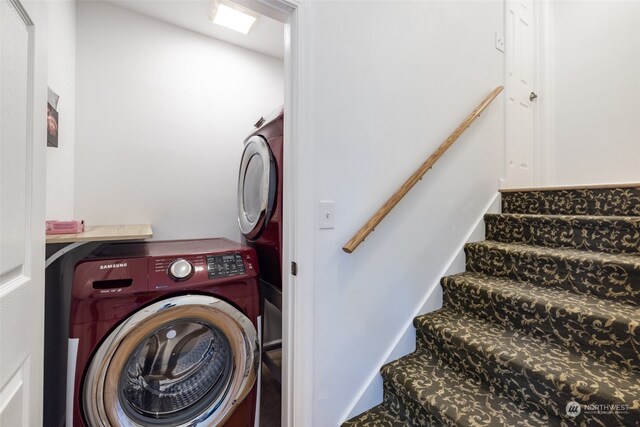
[23,98]
[520,57]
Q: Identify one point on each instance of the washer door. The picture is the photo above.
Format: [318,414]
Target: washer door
[184,361]
[256,187]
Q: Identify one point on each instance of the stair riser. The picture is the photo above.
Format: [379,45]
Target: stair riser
[407,406]
[527,387]
[610,201]
[408,409]
[608,236]
[607,280]
[601,338]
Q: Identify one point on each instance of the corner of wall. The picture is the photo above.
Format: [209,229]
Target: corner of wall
[61,76]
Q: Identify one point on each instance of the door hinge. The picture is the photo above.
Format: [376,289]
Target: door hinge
[294,268]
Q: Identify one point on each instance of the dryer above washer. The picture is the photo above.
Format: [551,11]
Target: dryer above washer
[257,187]
[260,195]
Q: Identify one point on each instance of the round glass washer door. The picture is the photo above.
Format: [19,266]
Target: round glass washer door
[256,187]
[186,360]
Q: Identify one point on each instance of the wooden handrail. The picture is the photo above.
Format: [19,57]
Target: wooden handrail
[362,234]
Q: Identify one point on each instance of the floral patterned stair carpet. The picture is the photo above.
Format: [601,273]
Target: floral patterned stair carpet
[547,315]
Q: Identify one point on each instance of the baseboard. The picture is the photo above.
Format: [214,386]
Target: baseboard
[370,394]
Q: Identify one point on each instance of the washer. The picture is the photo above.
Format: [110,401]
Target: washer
[260,195]
[164,334]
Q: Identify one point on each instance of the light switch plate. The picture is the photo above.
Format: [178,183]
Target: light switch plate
[326,211]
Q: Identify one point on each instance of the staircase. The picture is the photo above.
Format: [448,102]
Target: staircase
[547,314]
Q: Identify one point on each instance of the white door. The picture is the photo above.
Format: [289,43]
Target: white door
[520,56]
[23,97]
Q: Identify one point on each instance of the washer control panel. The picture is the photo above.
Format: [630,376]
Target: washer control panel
[225,265]
[181,265]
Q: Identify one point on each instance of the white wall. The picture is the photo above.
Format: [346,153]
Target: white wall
[61,79]
[161,116]
[596,91]
[390,82]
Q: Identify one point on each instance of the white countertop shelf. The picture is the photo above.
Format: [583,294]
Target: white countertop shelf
[102,233]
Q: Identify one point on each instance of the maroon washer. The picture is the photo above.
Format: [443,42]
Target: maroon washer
[260,195]
[164,333]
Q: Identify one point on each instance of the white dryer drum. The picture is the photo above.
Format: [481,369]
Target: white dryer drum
[257,184]
[183,361]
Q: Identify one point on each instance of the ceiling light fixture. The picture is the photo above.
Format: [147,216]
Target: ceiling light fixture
[232,16]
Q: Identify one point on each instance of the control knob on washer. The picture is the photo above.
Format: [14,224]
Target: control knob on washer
[180,269]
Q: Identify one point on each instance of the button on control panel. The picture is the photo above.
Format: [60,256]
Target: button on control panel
[180,269]
[224,265]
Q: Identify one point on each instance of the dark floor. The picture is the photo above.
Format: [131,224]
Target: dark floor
[270,396]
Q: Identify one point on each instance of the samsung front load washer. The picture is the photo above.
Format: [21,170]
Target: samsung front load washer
[164,334]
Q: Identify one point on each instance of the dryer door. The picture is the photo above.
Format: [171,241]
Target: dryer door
[183,361]
[257,185]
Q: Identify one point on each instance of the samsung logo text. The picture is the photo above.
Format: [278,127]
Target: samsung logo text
[119,265]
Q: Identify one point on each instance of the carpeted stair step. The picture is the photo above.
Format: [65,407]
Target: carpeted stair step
[612,234]
[619,201]
[423,380]
[409,409]
[378,416]
[395,410]
[606,330]
[530,369]
[608,276]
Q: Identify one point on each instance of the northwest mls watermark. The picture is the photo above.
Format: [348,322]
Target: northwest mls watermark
[574,409]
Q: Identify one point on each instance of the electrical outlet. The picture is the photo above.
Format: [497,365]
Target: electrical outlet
[500,42]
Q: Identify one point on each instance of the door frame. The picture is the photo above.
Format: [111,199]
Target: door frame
[545,137]
[297,245]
